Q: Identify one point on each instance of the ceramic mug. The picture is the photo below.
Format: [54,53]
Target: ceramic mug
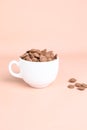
[36,74]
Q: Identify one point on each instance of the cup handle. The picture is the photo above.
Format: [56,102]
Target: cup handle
[17,75]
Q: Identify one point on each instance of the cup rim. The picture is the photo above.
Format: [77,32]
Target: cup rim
[38,62]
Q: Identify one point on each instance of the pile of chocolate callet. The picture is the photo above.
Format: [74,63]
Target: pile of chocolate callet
[36,55]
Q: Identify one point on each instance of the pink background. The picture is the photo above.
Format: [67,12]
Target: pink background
[57,25]
[61,25]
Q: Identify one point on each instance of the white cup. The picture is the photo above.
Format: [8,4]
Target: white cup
[36,74]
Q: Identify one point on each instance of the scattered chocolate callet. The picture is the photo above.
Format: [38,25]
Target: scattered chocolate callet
[84,85]
[72,80]
[36,55]
[77,84]
[81,88]
[70,86]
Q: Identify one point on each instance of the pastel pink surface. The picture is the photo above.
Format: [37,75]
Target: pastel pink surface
[57,25]
[55,107]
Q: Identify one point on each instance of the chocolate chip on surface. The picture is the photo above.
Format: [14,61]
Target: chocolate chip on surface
[84,85]
[81,88]
[72,80]
[70,86]
[77,84]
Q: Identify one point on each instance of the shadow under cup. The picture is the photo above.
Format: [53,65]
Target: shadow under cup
[36,74]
